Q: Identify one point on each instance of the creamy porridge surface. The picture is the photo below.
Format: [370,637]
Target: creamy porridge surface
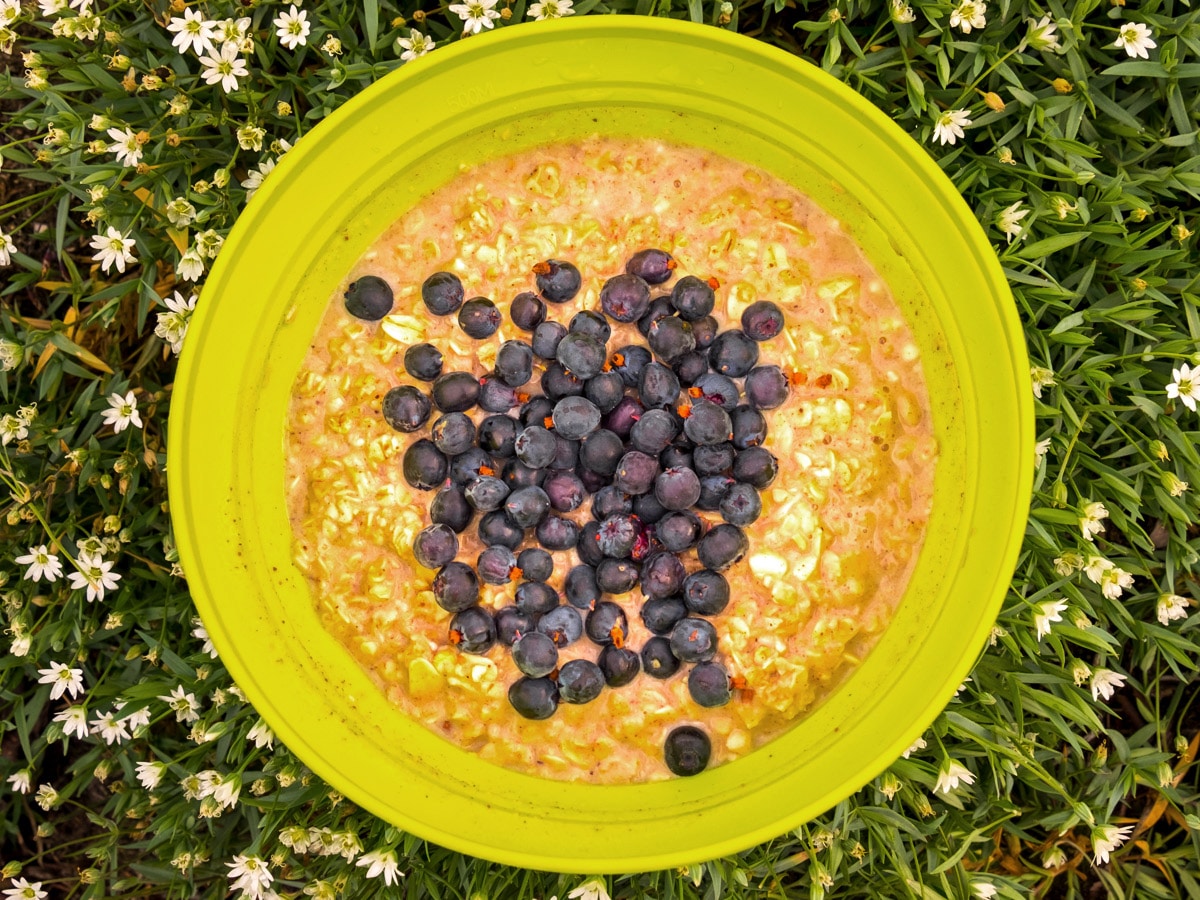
[841,525]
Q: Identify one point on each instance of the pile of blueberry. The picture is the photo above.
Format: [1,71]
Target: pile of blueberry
[648,434]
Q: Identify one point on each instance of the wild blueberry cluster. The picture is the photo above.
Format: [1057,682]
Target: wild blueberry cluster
[649,433]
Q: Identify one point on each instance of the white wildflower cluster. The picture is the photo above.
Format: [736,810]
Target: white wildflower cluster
[173,324]
[15,426]
[414,46]
[94,574]
[219,45]
[968,15]
[1009,220]
[551,9]
[1046,613]
[1041,378]
[950,775]
[476,15]
[1091,523]
[1108,838]
[1113,580]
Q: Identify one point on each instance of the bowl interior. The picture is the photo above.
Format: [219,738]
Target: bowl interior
[344,183]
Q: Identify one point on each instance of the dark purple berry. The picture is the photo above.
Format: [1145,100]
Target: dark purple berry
[707,423]
[435,546]
[653,432]
[488,493]
[443,293]
[762,320]
[625,298]
[535,598]
[496,436]
[534,698]
[620,665]
[652,266]
[723,546]
[495,564]
[565,491]
[660,307]
[405,408]
[709,684]
[557,383]
[658,386]
[706,592]
[535,446]
[455,587]
[526,507]
[749,427]
[514,363]
[657,659]
[756,466]
[557,533]
[563,625]
[620,421]
[546,338]
[535,654]
[590,323]
[495,528]
[677,489]
[719,389]
[580,681]
[425,466]
[369,298]
[713,459]
[661,613]
[455,392]
[670,338]
[527,311]
[558,280]
[450,508]
[635,472]
[511,623]
[606,390]
[662,575]
[766,387]
[575,417]
[479,318]
[582,355]
[629,361]
[473,630]
[678,531]
[616,576]
[453,433]
[423,362]
[741,505]
[693,298]
[617,535]
[687,750]
[606,623]
[732,353]
[535,564]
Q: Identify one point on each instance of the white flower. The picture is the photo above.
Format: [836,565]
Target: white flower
[1041,378]
[257,176]
[225,67]
[1105,682]
[126,146]
[7,248]
[1041,448]
[1171,607]
[1112,579]
[122,412]
[295,838]
[226,790]
[42,564]
[1134,37]
[984,890]
[475,14]
[234,31]
[110,728]
[1041,35]
[11,353]
[292,28]
[948,126]
[551,9]
[250,875]
[74,721]
[250,136]
[52,7]
[180,213]
[112,249]
[21,781]
[1047,612]
[969,14]
[173,325]
[209,243]
[949,776]
[262,735]
[1090,523]
[415,45]
[20,645]
[193,31]
[12,428]
[1009,220]
[46,797]
[95,574]
[1107,838]
[592,889]
[24,890]
[201,633]
[902,13]
[9,10]
[332,45]
[185,705]
[136,719]
[65,680]
[382,862]
[1173,485]
[191,265]
[345,844]
[918,744]
[1186,385]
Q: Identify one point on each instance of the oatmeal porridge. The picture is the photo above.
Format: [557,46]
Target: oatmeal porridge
[610,460]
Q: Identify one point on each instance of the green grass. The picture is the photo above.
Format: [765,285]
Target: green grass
[1097,148]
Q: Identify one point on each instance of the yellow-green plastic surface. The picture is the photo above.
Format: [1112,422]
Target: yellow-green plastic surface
[496,94]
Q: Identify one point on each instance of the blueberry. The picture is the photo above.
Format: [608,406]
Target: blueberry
[536,411]
[690,366]
[450,508]
[719,389]
[617,535]
[645,544]
[704,330]
[558,280]
[611,501]
[557,383]
[580,587]
[405,408]
[495,396]
[762,320]
[369,298]
[677,489]
[518,475]
[563,625]
[713,459]
[565,491]
[658,387]
[670,338]
[620,665]
[647,508]
[467,466]
[694,640]
[620,421]
[575,417]
[455,587]
[741,505]
[423,362]
[601,452]
[455,392]
[534,698]
[687,750]
[693,298]
[625,298]
[733,353]
[749,427]
[495,564]
[766,387]
[606,623]
[443,293]
[473,630]
[587,547]
[755,466]
[453,433]
[713,489]
[590,323]
[527,311]
[723,546]
[661,614]
[629,361]
[653,431]
[511,623]
[593,481]
[678,531]
[657,659]
[494,528]
[706,592]
[662,576]
[546,338]
[605,390]
[496,436]
[582,355]
[479,318]
[535,654]
[652,266]
[527,506]
[435,546]
[535,598]
[677,456]
[566,454]
[557,533]
[659,308]
[580,681]
[616,576]
[514,363]
[424,466]
[636,472]
[535,446]
[707,423]
[709,684]
[535,564]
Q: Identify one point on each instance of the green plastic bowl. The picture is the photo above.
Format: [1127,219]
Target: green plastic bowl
[488,96]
